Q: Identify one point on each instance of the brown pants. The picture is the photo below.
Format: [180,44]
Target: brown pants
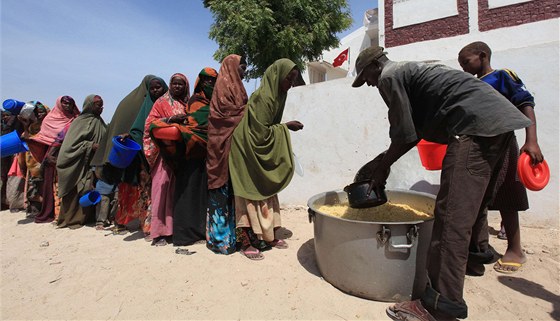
[468,177]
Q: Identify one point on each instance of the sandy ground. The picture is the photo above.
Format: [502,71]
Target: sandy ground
[86,274]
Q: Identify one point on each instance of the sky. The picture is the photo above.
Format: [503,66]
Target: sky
[105,47]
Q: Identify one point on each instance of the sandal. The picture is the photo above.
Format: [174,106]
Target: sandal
[502,234]
[99,227]
[261,245]
[279,244]
[507,267]
[252,254]
[184,251]
[119,231]
[159,242]
[409,311]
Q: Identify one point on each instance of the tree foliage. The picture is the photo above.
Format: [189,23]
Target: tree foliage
[265,30]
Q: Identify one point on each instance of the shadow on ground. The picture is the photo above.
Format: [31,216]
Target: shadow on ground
[26,220]
[535,290]
[306,257]
[283,233]
[136,235]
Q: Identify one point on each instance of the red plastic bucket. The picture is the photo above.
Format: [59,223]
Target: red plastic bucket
[167,133]
[431,154]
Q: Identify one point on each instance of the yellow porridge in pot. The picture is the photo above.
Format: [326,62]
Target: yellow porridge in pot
[388,212]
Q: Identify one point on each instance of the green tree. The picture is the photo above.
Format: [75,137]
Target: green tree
[265,30]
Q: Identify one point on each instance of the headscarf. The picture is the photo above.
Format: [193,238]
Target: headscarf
[55,122]
[35,127]
[226,110]
[137,133]
[260,160]
[122,119]
[73,162]
[165,107]
[195,132]
[137,128]
[88,105]
[8,121]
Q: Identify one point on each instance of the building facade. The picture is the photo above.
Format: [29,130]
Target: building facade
[346,127]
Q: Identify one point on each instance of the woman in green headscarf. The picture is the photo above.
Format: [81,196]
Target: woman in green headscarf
[135,189]
[73,163]
[261,162]
[122,120]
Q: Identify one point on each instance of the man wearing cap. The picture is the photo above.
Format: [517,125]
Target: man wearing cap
[447,106]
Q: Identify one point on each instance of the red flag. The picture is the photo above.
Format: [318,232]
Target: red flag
[342,57]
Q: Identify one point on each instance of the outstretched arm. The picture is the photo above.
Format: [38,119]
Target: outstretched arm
[394,152]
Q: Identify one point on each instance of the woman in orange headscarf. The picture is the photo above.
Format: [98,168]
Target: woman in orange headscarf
[34,181]
[189,214]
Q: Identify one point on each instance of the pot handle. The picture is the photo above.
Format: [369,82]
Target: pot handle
[311,215]
[411,235]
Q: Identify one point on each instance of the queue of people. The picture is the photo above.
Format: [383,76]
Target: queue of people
[216,182]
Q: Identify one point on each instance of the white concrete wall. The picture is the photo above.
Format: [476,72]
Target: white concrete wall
[346,127]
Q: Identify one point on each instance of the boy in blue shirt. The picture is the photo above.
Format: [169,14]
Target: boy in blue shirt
[511,195]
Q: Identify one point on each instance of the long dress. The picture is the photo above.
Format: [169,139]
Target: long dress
[260,161]
[47,142]
[189,212]
[134,201]
[73,165]
[226,110]
[163,178]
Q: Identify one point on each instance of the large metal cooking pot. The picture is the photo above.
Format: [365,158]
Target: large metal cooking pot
[382,261]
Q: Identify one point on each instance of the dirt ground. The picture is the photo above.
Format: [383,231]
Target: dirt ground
[50,273]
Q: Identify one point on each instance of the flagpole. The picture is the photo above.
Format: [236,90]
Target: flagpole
[348,59]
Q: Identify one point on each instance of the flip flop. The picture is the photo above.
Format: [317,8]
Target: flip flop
[500,267]
[279,244]
[502,234]
[409,311]
[254,255]
[159,242]
[184,251]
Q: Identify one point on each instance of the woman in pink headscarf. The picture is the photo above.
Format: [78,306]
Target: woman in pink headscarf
[170,108]
[44,148]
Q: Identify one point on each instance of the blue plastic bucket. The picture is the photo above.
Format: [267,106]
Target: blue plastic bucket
[123,152]
[90,198]
[11,144]
[13,106]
